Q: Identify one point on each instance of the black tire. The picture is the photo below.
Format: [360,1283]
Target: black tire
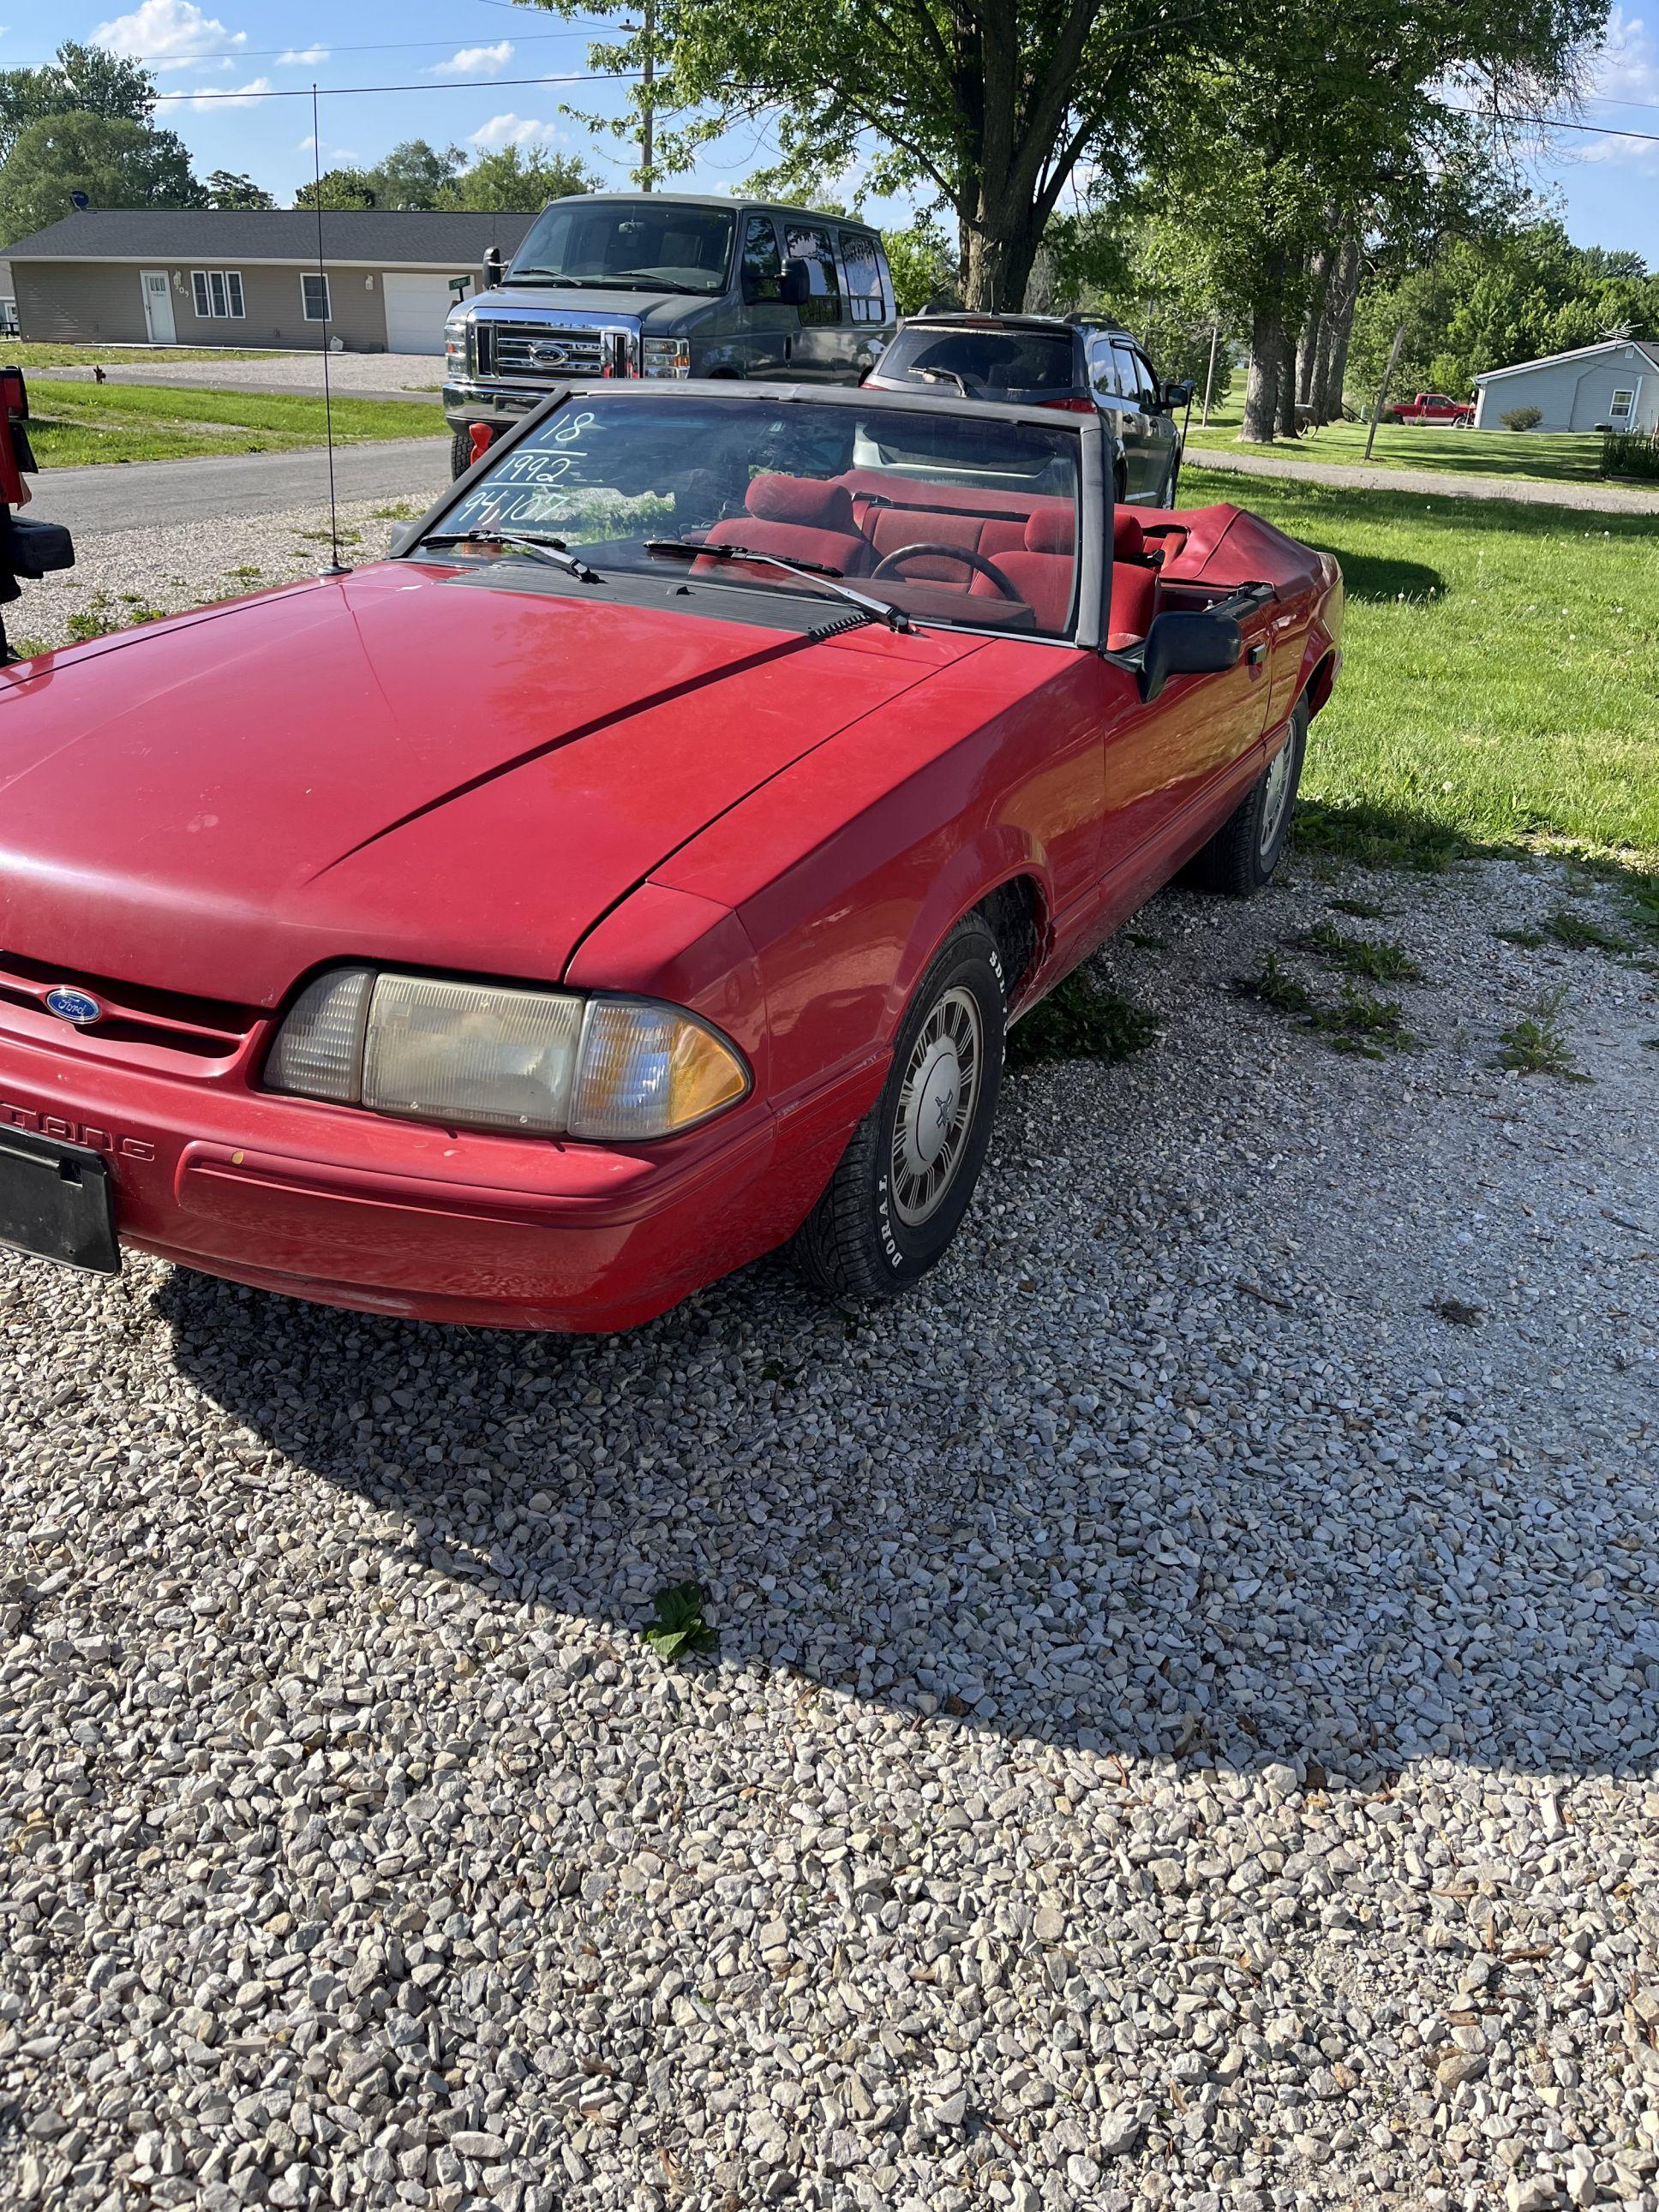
[460,451]
[1244,853]
[856,1242]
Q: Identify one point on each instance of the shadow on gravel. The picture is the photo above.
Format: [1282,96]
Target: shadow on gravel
[1162,1557]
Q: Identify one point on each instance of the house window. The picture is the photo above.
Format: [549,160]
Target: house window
[313,288]
[217,292]
[1623,402]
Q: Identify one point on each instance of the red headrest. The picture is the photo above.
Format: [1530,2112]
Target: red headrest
[804,500]
[1129,539]
[1051,529]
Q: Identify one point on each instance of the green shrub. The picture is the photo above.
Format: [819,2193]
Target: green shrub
[1628,454]
[1523,418]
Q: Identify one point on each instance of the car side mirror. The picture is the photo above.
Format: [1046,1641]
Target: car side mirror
[403,536]
[1187,645]
[794,286]
[1176,395]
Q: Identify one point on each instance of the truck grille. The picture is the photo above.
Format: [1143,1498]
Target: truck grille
[512,350]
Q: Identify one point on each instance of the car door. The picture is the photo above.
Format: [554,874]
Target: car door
[821,354]
[1164,437]
[861,273]
[1176,765]
[1143,449]
[770,325]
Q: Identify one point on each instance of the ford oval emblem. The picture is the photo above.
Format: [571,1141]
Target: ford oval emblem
[547,353]
[71,1005]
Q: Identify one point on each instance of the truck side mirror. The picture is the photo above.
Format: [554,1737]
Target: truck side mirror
[794,286]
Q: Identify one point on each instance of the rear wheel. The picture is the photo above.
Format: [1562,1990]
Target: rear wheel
[1244,853]
[907,1177]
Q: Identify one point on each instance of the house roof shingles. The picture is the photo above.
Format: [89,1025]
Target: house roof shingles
[375,236]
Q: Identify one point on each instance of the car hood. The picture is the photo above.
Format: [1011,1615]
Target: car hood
[412,764]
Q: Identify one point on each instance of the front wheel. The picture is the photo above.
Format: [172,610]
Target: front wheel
[904,1182]
[1244,853]
[460,451]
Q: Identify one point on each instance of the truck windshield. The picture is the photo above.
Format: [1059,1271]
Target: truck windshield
[631,246]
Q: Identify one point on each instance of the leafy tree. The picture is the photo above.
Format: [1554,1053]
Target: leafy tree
[338,188]
[516,179]
[79,79]
[413,174]
[1487,303]
[225,189]
[117,162]
[986,106]
[924,265]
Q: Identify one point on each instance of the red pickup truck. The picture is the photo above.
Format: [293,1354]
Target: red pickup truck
[1432,407]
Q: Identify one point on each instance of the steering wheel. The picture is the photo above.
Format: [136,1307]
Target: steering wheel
[889,565]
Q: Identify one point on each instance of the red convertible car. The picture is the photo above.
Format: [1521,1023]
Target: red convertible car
[637,871]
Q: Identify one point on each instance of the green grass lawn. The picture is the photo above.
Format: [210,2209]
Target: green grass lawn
[1544,457]
[33,353]
[71,425]
[1500,685]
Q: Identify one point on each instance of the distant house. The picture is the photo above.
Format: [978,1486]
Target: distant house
[1614,385]
[248,278]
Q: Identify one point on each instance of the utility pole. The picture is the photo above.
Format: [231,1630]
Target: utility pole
[647,118]
[1209,381]
[1382,393]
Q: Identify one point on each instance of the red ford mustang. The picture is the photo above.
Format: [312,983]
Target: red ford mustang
[638,870]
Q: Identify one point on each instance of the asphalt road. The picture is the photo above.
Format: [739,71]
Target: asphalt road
[140,494]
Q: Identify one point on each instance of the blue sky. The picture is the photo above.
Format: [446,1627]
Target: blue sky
[462,57]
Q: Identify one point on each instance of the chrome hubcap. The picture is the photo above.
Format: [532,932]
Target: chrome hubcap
[936,1108]
[1277,798]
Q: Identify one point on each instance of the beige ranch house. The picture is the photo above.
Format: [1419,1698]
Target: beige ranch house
[206,277]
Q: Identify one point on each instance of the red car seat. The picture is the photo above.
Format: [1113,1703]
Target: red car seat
[1040,568]
[799,518]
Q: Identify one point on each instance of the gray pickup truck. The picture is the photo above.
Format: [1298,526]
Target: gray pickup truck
[665,284]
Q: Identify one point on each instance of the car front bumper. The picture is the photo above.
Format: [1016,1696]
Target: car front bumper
[352,1209]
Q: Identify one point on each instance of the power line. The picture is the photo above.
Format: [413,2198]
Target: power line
[378,46]
[245,98]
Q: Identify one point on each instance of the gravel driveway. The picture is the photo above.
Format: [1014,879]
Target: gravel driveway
[1183,1727]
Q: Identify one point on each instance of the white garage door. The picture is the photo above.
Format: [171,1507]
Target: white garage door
[414,310]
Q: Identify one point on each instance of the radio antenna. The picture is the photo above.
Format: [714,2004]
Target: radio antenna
[336,566]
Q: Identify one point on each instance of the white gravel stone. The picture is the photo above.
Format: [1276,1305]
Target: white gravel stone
[1177,1694]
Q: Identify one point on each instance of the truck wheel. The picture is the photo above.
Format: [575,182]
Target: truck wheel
[460,451]
[905,1180]
[1244,854]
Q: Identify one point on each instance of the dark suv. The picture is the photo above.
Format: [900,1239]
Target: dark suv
[1047,361]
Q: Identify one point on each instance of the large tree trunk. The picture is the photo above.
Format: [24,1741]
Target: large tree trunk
[1337,334]
[1267,364]
[997,250]
[1287,381]
[1313,325]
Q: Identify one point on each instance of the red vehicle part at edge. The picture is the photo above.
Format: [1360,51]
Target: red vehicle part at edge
[771,829]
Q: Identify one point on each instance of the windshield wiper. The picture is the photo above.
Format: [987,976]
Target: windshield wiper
[547,277]
[828,579]
[550,550]
[939,375]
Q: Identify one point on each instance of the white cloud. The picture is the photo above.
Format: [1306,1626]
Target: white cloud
[1626,78]
[242,95]
[168,34]
[302,57]
[476,61]
[510,131]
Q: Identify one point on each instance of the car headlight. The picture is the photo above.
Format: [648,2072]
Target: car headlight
[667,357]
[494,1056]
[455,353]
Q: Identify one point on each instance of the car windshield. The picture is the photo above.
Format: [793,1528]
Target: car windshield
[986,364]
[954,518]
[631,246]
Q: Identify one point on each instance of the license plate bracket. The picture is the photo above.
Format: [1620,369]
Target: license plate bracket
[56,1202]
